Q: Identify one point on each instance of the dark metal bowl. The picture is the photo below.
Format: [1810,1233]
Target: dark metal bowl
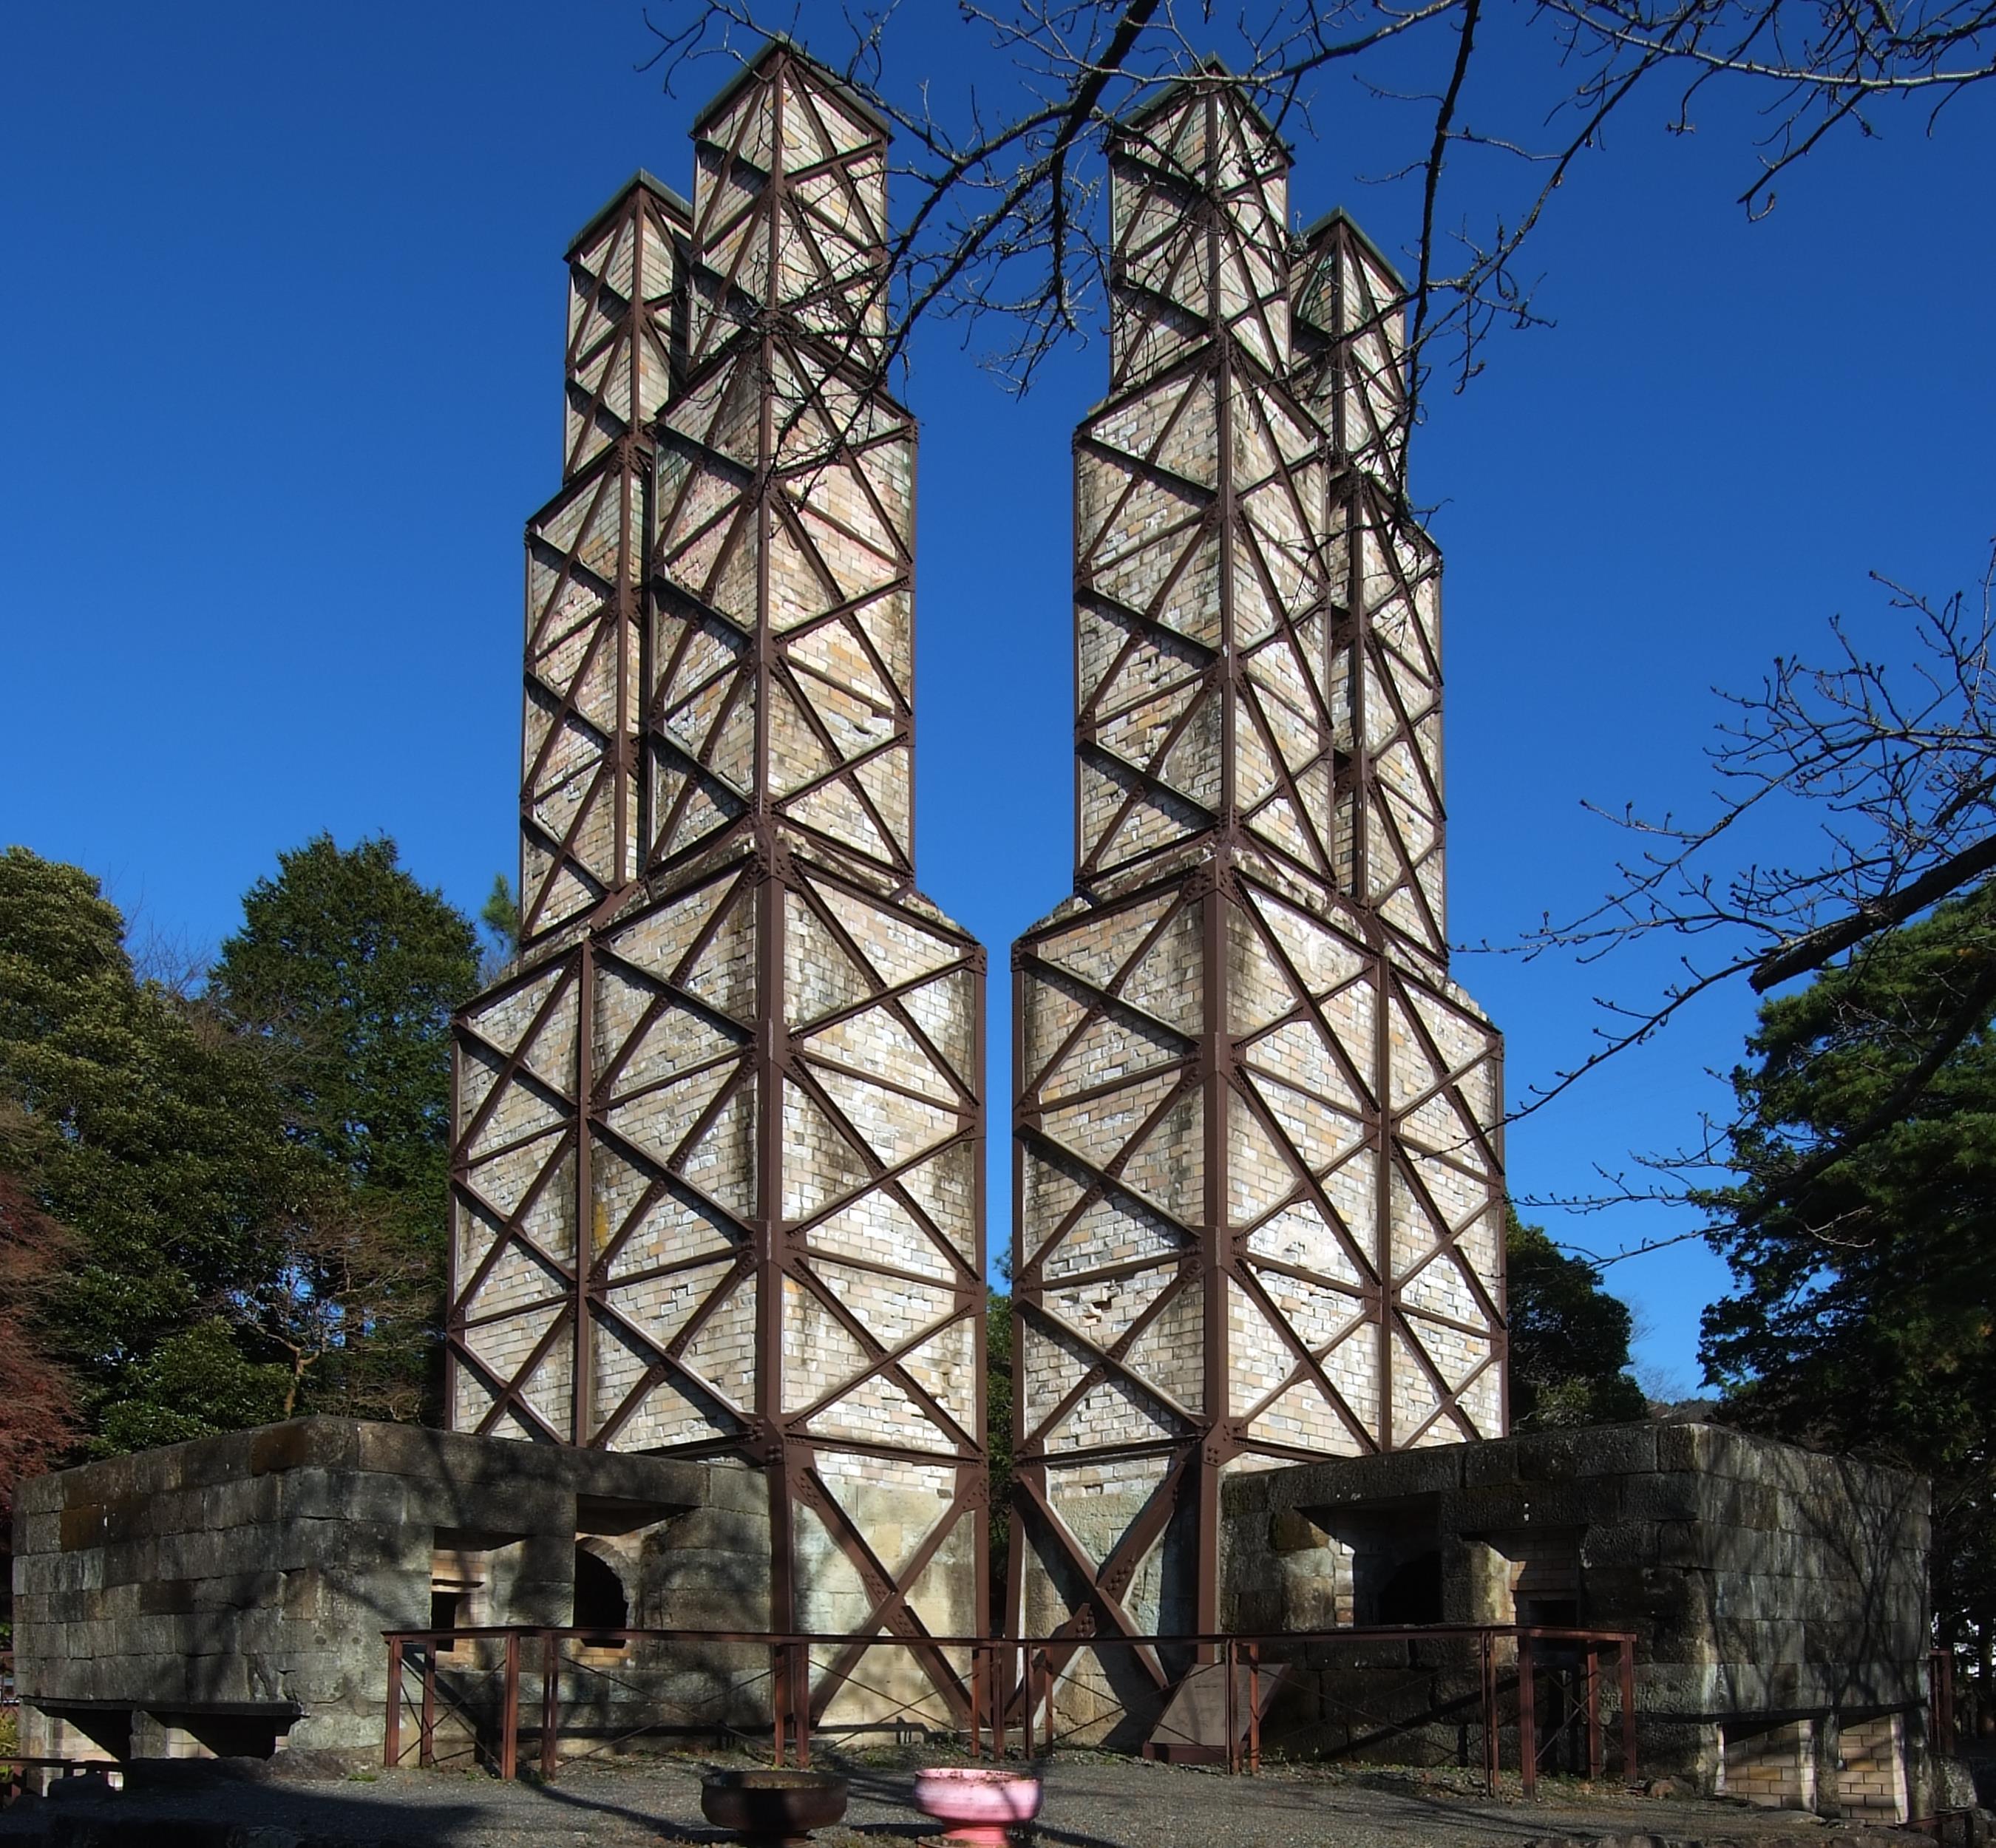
[772,1809]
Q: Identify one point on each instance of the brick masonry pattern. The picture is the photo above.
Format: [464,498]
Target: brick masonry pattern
[1258,1142]
[721,1122]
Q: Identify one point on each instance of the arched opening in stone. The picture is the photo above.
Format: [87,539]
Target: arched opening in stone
[601,1607]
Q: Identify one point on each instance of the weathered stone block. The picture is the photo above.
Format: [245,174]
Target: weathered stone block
[329,1443]
[1559,1456]
[731,1486]
[1291,1531]
[1663,1497]
[343,1495]
[1736,1503]
[39,1496]
[1485,1465]
[37,1533]
[1625,1543]
[713,1530]
[1510,1506]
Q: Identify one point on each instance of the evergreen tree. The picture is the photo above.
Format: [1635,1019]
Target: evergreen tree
[1569,1352]
[137,1123]
[1859,1232]
[501,916]
[346,973]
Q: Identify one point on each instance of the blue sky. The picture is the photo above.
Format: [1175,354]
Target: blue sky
[280,380]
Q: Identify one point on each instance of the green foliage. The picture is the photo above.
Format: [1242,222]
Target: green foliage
[1569,1354]
[1865,1296]
[998,1437]
[500,917]
[194,1385]
[346,973]
[248,1187]
[140,1123]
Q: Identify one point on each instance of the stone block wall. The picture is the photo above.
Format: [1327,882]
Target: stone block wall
[231,1593]
[1779,1597]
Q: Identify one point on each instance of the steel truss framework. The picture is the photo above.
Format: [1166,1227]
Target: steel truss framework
[716,1179]
[1259,1170]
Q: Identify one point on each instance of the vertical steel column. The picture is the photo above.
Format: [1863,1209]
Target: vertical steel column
[1229,1665]
[583,1389]
[980,1613]
[426,1738]
[509,1723]
[1493,1742]
[1528,1719]
[1217,1051]
[1216,1074]
[779,1701]
[1627,1665]
[1593,1706]
[1254,1707]
[800,1664]
[392,1731]
[772,1051]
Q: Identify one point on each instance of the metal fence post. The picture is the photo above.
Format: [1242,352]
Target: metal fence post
[509,1723]
[1595,1757]
[391,1733]
[1628,1679]
[550,1706]
[780,1699]
[1254,1707]
[1528,1720]
[1228,1664]
[426,1738]
[1493,1743]
[801,1701]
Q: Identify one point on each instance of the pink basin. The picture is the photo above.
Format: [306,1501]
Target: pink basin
[983,1804]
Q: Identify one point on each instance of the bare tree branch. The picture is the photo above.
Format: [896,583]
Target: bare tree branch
[1884,783]
[1000,213]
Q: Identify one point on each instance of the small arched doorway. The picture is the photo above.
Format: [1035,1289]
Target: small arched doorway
[602,1609]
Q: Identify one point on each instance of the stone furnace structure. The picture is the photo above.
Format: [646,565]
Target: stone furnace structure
[1259,1173]
[227,1597]
[716,1179]
[1778,1599]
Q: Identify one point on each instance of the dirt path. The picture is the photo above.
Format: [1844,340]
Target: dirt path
[1089,1803]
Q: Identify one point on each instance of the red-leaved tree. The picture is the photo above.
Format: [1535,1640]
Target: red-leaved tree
[38,1415]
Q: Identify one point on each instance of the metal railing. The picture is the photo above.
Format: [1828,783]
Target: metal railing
[780,1688]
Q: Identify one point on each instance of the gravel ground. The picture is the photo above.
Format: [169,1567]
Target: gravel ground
[1090,1802]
